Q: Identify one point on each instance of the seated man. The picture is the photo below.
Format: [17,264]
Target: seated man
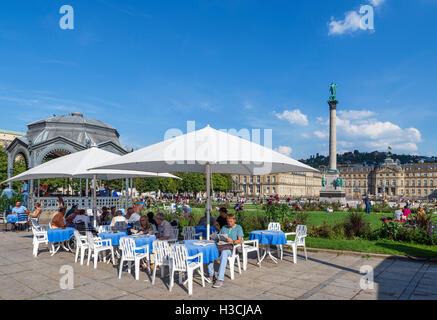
[134,217]
[58,221]
[165,230]
[221,221]
[21,212]
[204,220]
[235,235]
[118,218]
[398,213]
[82,217]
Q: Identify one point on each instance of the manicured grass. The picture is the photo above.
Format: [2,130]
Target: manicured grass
[379,246]
[366,246]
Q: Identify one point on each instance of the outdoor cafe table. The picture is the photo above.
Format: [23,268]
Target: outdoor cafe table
[268,238]
[59,236]
[115,237]
[142,240]
[210,252]
[202,229]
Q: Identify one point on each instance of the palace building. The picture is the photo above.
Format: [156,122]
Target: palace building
[6,137]
[391,180]
[294,184]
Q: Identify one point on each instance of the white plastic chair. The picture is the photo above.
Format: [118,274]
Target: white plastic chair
[246,248]
[129,253]
[232,259]
[104,228]
[174,238]
[189,233]
[97,245]
[161,250]
[299,241]
[180,262]
[276,226]
[81,245]
[39,236]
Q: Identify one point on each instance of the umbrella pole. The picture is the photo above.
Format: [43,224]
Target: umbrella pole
[208,199]
[94,201]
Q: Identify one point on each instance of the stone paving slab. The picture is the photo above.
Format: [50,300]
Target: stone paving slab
[324,276]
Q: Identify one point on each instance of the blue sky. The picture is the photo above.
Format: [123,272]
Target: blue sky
[148,66]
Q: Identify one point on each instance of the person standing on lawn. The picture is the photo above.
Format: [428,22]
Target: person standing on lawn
[367,202]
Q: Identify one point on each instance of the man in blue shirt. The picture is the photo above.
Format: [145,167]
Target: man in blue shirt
[235,237]
[25,192]
[21,212]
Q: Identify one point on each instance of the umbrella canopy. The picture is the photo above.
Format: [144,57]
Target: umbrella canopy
[76,165]
[207,150]
[224,153]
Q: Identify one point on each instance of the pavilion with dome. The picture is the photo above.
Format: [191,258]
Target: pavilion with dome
[61,135]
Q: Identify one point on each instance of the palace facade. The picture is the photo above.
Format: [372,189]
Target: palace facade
[294,184]
[6,137]
[391,180]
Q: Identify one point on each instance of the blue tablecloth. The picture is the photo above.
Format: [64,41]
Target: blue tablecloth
[268,237]
[59,235]
[12,218]
[203,230]
[210,252]
[115,237]
[143,240]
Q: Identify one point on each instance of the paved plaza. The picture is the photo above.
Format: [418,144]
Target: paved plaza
[323,277]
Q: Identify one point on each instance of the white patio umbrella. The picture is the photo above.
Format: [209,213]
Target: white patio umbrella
[207,150]
[76,165]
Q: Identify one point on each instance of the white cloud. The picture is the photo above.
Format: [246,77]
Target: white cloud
[293,116]
[358,131]
[285,150]
[351,23]
[305,135]
[376,3]
[321,134]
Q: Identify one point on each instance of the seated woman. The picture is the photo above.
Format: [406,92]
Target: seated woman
[144,227]
[34,217]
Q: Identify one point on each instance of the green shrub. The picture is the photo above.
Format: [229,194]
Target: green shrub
[355,225]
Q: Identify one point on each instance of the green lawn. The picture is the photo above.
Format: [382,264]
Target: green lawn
[379,246]
[361,245]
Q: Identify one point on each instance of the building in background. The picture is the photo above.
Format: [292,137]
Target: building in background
[391,180]
[294,185]
[6,137]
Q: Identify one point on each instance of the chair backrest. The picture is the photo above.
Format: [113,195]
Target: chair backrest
[274,226]
[22,217]
[175,233]
[127,246]
[104,228]
[301,232]
[188,233]
[77,237]
[120,226]
[90,239]
[161,250]
[179,256]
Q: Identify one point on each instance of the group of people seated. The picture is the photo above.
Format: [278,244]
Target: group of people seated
[23,214]
[402,214]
